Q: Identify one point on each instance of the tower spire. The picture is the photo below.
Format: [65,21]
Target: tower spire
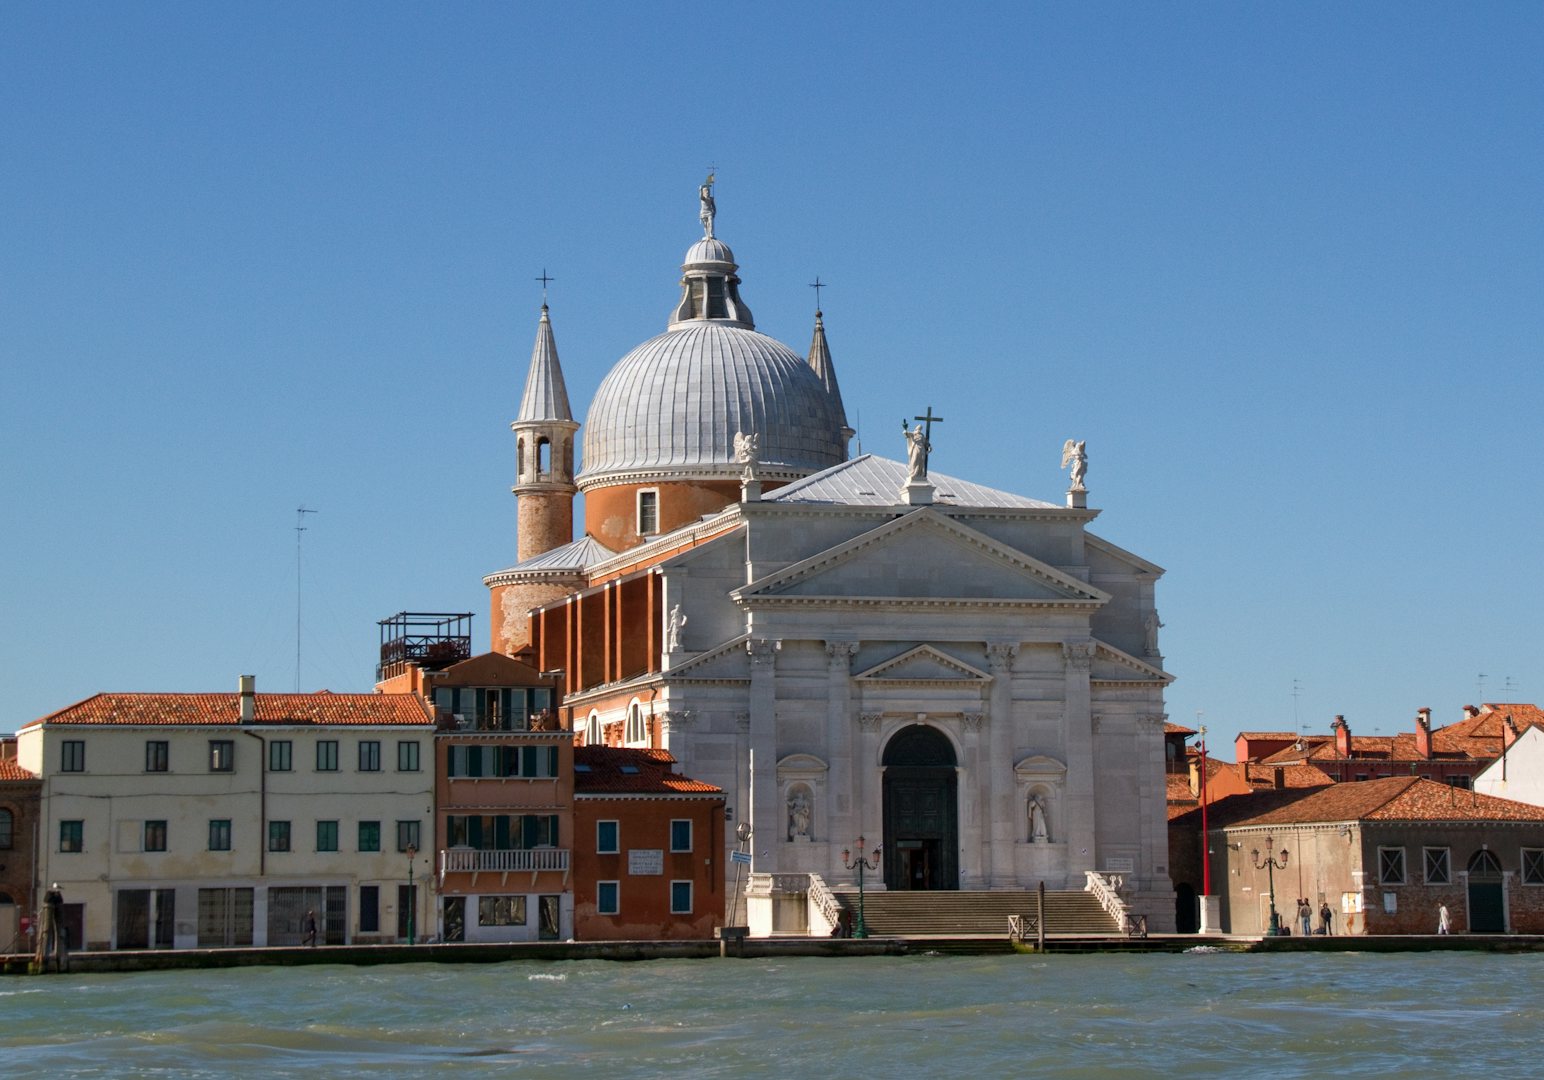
[544,449]
[820,362]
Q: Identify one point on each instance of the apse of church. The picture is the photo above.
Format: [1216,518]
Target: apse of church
[847,646]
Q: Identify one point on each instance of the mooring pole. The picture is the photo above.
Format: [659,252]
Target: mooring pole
[1040,918]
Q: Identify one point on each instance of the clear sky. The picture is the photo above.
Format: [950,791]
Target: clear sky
[1282,266]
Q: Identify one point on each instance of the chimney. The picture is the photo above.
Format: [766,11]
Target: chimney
[1508,732]
[1423,733]
[1471,711]
[1342,732]
[1195,776]
[247,685]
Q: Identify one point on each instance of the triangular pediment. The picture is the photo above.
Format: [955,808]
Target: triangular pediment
[923,557]
[1112,665]
[923,664]
[726,661]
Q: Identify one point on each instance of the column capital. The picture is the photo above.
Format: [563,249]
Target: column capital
[870,720]
[762,650]
[841,652]
[973,720]
[1001,653]
[1079,654]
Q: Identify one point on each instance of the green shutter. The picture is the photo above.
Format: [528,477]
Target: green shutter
[552,761]
[501,832]
[474,832]
[529,827]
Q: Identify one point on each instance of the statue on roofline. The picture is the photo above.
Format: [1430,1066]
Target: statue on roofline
[1075,453]
[709,208]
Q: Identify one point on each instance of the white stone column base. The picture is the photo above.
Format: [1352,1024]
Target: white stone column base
[1211,914]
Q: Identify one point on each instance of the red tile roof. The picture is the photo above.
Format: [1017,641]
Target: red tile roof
[1394,798]
[1259,775]
[324,708]
[1177,729]
[9,770]
[610,770]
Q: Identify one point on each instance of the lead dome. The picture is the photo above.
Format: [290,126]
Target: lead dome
[671,407]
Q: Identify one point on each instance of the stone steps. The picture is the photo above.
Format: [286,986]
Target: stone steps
[946,914]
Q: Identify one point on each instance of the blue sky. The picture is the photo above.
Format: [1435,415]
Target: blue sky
[1279,265]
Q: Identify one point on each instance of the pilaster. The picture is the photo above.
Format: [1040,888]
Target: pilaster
[1000,778]
[766,815]
[1082,854]
[839,746]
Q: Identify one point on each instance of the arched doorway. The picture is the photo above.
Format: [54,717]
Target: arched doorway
[921,809]
[1487,904]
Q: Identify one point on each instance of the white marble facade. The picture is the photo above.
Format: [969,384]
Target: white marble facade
[833,619]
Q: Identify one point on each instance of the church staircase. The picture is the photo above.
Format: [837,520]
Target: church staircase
[934,918]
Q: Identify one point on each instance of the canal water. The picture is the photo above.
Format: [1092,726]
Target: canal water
[1190,1015]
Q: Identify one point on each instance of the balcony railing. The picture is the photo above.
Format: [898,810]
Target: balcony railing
[464,860]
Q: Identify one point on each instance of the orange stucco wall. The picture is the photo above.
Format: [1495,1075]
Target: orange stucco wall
[611,513]
[643,824]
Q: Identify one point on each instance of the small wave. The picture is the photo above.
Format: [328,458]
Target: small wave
[1205,949]
[548,976]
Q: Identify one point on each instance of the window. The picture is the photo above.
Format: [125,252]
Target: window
[326,836]
[155,836]
[681,834]
[72,756]
[278,836]
[606,840]
[220,834]
[222,755]
[369,836]
[680,898]
[1458,781]
[71,835]
[156,755]
[648,513]
[592,730]
[1437,866]
[637,731]
[281,755]
[1391,866]
[501,911]
[607,897]
[529,762]
[407,835]
[369,755]
[7,829]
[327,755]
[1533,866]
[407,756]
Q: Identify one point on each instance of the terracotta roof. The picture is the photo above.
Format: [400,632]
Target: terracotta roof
[323,707]
[1177,729]
[1296,775]
[9,770]
[1395,798]
[610,770]
[1266,735]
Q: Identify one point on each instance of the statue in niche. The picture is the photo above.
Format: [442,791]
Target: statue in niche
[917,448]
[709,208]
[1151,625]
[673,627]
[798,815]
[1038,832]
[1075,454]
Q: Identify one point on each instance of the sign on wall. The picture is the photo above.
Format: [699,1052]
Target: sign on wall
[642,862]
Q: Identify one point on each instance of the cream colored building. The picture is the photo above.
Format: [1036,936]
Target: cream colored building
[208,820]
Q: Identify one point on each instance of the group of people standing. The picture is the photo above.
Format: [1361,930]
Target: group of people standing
[1305,917]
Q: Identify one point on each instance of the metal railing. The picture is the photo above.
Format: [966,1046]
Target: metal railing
[824,902]
[522,859]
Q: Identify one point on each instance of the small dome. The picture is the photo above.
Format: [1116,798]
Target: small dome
[708,250]
[675,403]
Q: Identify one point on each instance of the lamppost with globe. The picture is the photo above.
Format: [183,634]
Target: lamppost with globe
[860,864]
[1270,865]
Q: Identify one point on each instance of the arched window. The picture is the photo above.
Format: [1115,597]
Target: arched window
[636,731]
[520,458]
[7,829]
[592,730]
[543,456]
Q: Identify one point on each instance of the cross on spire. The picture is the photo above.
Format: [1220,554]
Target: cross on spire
[545,281]
[817,285]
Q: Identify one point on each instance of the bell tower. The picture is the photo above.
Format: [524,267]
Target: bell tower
[544,451]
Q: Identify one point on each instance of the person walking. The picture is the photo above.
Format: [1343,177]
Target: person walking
[1444,921]
[1305,916]
[310,938]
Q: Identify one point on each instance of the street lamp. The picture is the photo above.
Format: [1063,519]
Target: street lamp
[412,901]
[1270,865]
[860,864]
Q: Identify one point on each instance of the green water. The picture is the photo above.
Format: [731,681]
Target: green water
[1218,1014]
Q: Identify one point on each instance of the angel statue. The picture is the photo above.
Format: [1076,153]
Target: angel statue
[1075,453]
[673,627]
[746,448]
[709,208]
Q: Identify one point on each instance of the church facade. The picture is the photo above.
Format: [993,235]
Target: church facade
[848,647]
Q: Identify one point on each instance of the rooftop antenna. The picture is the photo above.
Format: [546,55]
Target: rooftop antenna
[1480,682]
[1508,687]
[545,281]
[1297,690]
[859,432]
[300,527]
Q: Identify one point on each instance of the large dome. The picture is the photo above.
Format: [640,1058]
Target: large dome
[673,405]
[671,408]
